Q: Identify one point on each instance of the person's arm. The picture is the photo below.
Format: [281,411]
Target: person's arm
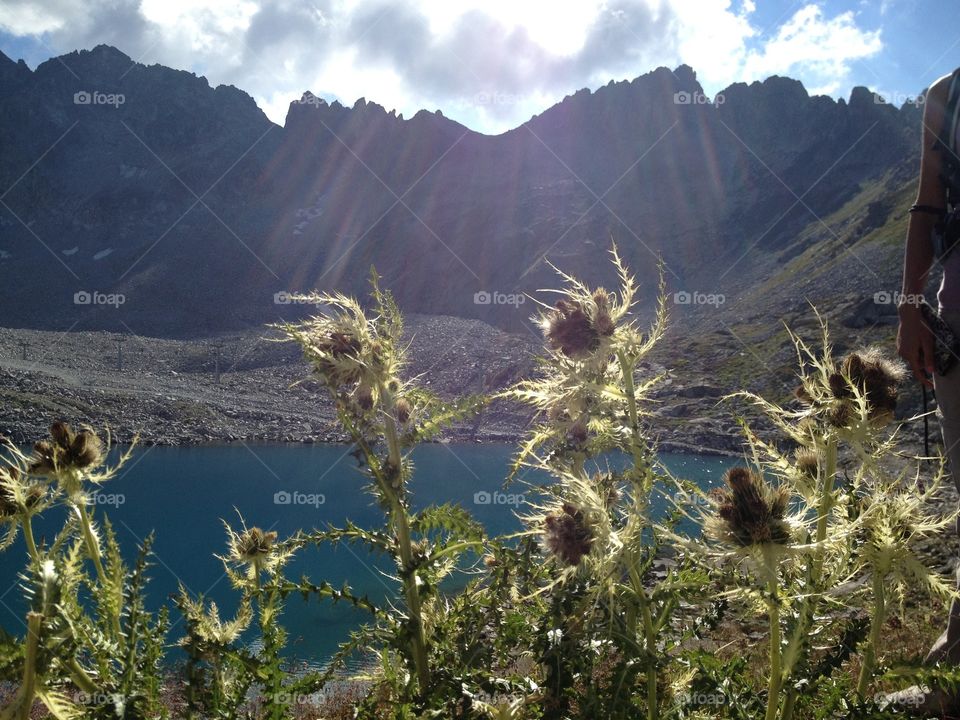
[914,338]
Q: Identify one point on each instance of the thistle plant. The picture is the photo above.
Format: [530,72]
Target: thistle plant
[858,519]
[749,521]
[360,358]
[889,515]
[224,673]
[22,497]
[588,395]
[73,460]
[109,649]
[590,400]
[565,619]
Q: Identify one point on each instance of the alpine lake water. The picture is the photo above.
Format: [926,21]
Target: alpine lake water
[182,494]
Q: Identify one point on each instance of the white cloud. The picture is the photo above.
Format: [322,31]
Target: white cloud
[820,50]
[29,19]
[488,63]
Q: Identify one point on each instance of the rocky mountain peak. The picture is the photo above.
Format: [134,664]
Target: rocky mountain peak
[445,214]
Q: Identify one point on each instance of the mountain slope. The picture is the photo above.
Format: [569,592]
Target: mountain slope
[188,202]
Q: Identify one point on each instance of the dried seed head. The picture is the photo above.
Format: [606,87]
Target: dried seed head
[602,321]
[341,344]
[750,512]
[840,414]
[569,330]
[35,495]
[364,397]
[839,386]
[66,450]
[8,504]
[253,546]
[86,450]
[878,378]
[568,535]
[337,356]
[807,461]
[403,410]
[44,457]
[61,434]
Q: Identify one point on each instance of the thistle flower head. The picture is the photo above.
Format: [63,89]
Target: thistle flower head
[355,354]
[580,322]
[807,462]
[403,410]
[877,378]
[254,549]
[585,319]
[20,496]
[594,354]
[66,451]
[749,512]
[603,321]
[855,394]
[567,534]
[569,329]
[252,545]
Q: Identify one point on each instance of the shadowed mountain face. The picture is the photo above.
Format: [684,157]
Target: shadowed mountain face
[144,185]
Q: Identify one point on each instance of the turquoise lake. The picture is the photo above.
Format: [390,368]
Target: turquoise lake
[181,494]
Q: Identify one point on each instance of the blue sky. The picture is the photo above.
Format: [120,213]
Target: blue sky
[492,63]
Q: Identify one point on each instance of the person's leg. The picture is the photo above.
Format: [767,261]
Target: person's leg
[947,391]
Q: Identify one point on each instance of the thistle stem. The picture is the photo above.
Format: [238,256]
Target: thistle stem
[28,691]
[876,626]
[773,689]
[79,677]
[814,569]
[93,549]
[649,632]
[28,537]
[630,390]
[826,502]
[650,635]
[401,523]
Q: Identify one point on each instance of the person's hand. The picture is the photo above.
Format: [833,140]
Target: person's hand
[915,344]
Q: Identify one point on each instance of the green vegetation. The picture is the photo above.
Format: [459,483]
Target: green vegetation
[598,608]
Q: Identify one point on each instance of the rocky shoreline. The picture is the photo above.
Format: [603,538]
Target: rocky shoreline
[166,391]
[169,392]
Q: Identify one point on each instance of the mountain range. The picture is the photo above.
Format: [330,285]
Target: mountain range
[139,199]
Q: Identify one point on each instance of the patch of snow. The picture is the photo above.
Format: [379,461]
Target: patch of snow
[102,254]
[71,251]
